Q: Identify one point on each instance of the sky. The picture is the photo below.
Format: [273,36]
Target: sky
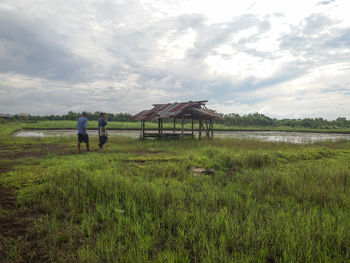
[281,58]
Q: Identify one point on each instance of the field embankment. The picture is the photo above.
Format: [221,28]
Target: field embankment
[143,201]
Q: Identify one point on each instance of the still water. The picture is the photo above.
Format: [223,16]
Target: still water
[271,136]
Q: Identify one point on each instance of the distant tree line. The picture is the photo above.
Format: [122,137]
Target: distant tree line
[72,116]
[232,119]
[258,119]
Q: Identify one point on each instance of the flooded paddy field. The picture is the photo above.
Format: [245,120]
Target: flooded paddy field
[271,136]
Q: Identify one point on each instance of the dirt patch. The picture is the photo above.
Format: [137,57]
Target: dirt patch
[144,152]
[36,151]
[7,199]
[23,155]
[14,226]
[5,168]
[11,226]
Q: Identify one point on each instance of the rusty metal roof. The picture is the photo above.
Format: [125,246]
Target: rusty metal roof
[206,113]
[171,110]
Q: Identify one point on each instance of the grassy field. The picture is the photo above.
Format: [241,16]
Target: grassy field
[150,125]
[142,201]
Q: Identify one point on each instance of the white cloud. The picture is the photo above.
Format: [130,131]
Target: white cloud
[281,58]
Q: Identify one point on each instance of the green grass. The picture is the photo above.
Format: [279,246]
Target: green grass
[138,201]
[151,125]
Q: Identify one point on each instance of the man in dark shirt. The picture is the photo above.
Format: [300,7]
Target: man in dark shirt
[102,133]
[82,131]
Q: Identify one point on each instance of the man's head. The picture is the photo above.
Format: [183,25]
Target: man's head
[85,114]
[103,115]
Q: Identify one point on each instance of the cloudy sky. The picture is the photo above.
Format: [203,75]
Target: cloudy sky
[282,58]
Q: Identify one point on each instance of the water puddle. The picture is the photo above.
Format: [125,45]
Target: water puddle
[271,136]
[66,133]
[277,136]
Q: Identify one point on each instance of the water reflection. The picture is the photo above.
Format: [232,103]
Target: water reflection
[272,136]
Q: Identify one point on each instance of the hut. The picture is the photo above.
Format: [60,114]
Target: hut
[191,110]
[5,116]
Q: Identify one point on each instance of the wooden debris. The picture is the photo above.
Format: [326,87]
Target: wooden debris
[201,171]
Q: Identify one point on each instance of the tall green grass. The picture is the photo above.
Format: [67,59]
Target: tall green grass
[139,201]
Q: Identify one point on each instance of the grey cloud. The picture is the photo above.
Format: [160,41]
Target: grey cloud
[307,36]
[231,89]
[288,72]
[210,37]
[138,47]
[310,33]
[30,46]
[316,40]
[314,23]
[327,2]
[340,40]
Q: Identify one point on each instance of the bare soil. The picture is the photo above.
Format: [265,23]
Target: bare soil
[12,225]
[36,151]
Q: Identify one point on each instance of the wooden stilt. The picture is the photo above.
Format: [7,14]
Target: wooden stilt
[207,129]
[174,126]
[200,130]
[143,130]
[158,127]
[212,128]
[182,128]
[192,127]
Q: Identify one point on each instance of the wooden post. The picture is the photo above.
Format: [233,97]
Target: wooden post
[212,128]
[192,125]
[161,128]
[207,130]
[141,135]
[200,129]
[182,129]
[174,126]
[143,129]
[158,127]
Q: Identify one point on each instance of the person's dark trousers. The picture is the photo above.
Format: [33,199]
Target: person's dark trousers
[102,141]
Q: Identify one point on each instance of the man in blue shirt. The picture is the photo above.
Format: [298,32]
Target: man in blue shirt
[102,133]
[82,131]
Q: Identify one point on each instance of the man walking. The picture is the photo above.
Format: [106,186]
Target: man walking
[102,133]
[82,131]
